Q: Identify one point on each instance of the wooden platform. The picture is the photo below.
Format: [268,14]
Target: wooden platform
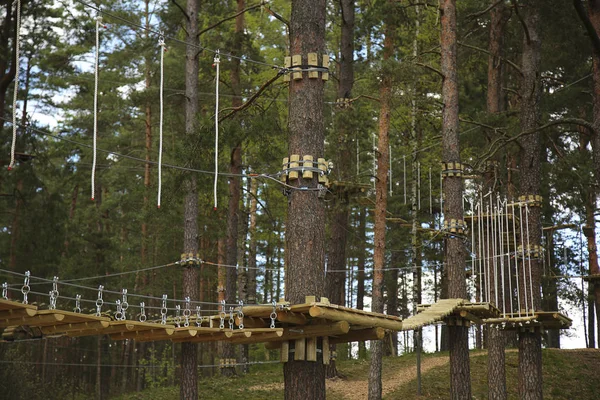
[539,319]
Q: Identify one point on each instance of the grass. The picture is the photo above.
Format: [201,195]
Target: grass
[568,374]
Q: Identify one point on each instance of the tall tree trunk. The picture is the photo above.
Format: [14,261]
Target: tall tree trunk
[460,380]
[335,281]
[304,236]
[189,351]
[360,265]
[495,105]
[253,242]
[530,350]
[381,188]
[594,15]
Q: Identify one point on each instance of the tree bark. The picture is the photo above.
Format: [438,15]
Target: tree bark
[530,350]
[594,14]
[335,282]
[460,382]
[381,190]
[305,233]
[495,105]
[189,351]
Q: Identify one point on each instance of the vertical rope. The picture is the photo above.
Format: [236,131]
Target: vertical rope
[495,252]
[95,135]
[523,262]
[479,247]
[13,145]
[516,259]
[500,208]
[508,257]
[217,62]
[430,194]
[529,258]
[473,252]
[161,44]
[419,183]
[404,177]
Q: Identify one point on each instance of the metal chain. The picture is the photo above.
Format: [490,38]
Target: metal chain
[142,312]
[273,315]
[99,301]
[53,293]
[222,315]
[178,316]
[198,317]
[231,320]
[124,303]
[187,313]
[241,314]
[163,310]
[5,291]
[77,308]
[119,313]
[25,289]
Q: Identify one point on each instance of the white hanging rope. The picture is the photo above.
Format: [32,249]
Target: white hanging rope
[473,251]
[488,254]
[500,223]
[431,194]
[16,88]
[508,258]
[480,247]
[217,62]
[163,48]
[529,257]
[516,259]
[523,261]
[97,58]
[494,211]
[391,170]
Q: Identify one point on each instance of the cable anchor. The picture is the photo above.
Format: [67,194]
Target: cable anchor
[222,315]
[53,293]
[273,315]
[163,310]
[187,312]
[99,301]
[142,312]
[77,308]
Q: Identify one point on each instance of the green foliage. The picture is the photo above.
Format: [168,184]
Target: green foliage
[162,367]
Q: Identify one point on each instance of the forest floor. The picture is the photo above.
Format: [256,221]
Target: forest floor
[568,374]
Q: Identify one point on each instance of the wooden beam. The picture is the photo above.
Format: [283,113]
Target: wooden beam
[145,335]
[471,317]
[92,326]
[331,329]
[15,305]
[311,349]
[285,352]
[37,320]
[374,320]
[326,350]
[300,349]
[359,335]
[17,313]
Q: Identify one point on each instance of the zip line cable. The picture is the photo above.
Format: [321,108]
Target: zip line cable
[16,88]
[272,177]
[173,39]
[162,49]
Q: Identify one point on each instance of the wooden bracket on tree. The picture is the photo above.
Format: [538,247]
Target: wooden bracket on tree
[190,259]
[531,200]
[452,169]
[530,252]
[455,227]
[457,321]
[295,67]
[293,165]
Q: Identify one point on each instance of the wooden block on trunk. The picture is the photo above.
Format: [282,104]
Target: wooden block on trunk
[285,352]
[311,349]
[300,350]
[326,354]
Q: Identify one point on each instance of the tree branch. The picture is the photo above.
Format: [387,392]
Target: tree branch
[583,16]
[429,67]
[502,142]
[512,64]
[279,17]
[234,110]
[181,9]
[489,8]
[229,18]
[516,7]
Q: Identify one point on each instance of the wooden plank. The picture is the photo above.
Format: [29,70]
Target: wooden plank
[40,319]
[359,335]
[238,333]
[253,322]
[15,305]
[471,317]
[17,313]
[285,352]
[332,329]
[311,349]
[257,337]
[300,349]
[145,335]
[355,318]
[326,351]
[92,326]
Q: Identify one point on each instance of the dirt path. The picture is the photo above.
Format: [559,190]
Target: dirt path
[358,389]
[354,390]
